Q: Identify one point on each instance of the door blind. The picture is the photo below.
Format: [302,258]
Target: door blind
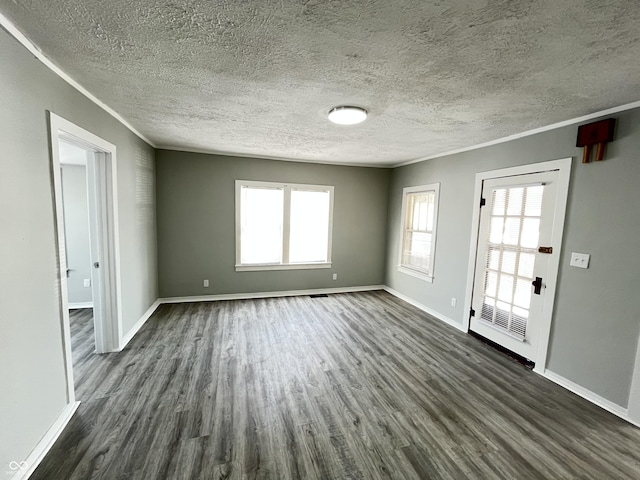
[512,245]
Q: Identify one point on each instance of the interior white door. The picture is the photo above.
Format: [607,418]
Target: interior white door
[513,259]
[100,320]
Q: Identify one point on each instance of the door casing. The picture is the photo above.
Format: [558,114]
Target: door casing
[103,213]
[564,172]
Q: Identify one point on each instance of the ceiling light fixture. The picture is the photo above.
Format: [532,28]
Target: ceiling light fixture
[346,115]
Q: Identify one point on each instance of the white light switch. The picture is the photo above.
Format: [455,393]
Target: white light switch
[580,260]
[205,283]
[87,283]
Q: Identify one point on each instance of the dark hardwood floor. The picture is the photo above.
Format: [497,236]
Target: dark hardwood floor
[83,347]
[356,385]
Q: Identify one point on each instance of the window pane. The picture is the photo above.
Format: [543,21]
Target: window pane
[511,231]
[417,250]
[261,216]
[419,222]
[497,228]
[515,201]
[499,201]
[505,289]
[525,267]
[530,232]
[431,198]
[494,259]
[533,207]
[418,230]
[522,296]
[309,229]
[420,211]
[509,262]
[491,284]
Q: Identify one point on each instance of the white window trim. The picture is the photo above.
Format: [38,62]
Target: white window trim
[435,187]
[285,265]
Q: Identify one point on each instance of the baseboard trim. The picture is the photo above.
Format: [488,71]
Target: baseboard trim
[283,293]
[426,309]
[590,396]
[127,338]
[44,445]
[77,306]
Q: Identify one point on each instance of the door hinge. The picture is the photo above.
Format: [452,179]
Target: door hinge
[483,202]
[472,312]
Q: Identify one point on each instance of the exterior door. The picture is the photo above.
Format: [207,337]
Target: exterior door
[513,256]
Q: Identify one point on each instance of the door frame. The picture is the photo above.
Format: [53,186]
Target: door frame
[102,186]
[633,409]
[564,173]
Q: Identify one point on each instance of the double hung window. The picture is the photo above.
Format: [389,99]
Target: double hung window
[419,220]
[283,226]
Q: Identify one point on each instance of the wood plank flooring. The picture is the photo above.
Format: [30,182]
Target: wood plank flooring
[351,386]
[83,347]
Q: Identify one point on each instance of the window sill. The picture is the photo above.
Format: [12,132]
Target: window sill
[415,273]
[279,266]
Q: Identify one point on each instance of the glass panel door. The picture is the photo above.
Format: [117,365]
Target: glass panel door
[516,220]
[514,228]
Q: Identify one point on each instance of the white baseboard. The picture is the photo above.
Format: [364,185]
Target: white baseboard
[285,293]
[46,442]
[426,309]
[590,396]
[127,338]
[76,306]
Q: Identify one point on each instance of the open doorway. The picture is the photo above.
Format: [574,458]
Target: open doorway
[84,182]
[75,206]
[79,271]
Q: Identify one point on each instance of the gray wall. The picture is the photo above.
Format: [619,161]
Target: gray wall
[76,231]
[596,322]
[33,392]
[196,224]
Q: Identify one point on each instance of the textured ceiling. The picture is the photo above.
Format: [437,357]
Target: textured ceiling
[257,78]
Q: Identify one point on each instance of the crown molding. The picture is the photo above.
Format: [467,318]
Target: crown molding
[33,49]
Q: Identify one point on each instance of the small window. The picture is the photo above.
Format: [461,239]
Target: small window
[419,220]
[283,226]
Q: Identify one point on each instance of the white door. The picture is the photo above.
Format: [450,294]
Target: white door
[513,260]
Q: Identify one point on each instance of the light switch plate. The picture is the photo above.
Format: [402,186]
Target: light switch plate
[580,260]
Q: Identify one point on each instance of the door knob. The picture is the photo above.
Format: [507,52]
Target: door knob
[537,285]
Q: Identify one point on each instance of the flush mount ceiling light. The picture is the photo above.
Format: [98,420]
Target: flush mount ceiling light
[346,115]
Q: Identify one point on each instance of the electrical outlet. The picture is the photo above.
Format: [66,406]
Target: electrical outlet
[580,260]
[335,276]
[205,283]
[454,301]
[87,283]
